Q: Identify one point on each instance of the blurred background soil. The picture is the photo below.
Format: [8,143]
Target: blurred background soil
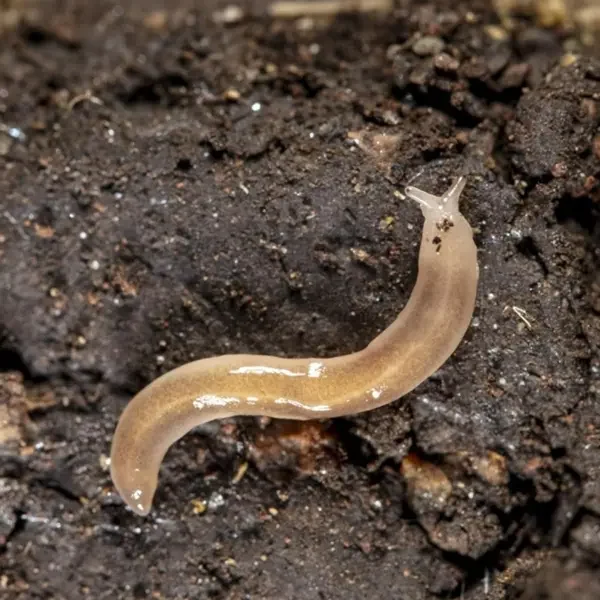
[185,179]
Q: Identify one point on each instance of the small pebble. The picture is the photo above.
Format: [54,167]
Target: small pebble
[428,46]
[497,33]
[560,169]
[445,62]
[596,146]
[199,506]
[16,134]
[216,501]
[514,76]
[231,94]
[229,15]
[5,144]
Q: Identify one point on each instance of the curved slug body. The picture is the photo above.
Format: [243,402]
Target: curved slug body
[414,346]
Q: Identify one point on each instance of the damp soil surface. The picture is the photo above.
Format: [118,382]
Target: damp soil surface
[178,183]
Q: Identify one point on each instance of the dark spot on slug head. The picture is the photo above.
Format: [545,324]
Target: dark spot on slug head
[445,224]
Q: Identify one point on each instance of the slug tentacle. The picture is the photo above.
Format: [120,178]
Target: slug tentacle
[446,204]
[414,346]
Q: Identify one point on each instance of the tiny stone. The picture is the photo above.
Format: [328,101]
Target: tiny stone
[231,94]
[596,146]
[497,33]
[560,169]
[199,506]
[514,76]
[474,69]
[5,144]
[229,15]
[156,20]
[421,74]
[428,46]
[389,117]
[498,56]
[445,62]
[16,134]
[393,51]
[216,501]
[402,69]
[568,59]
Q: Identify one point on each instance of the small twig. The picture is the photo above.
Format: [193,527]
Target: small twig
[292,9]
[81,98]
[240,473]
[523,315]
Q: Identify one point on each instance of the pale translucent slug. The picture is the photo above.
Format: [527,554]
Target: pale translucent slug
[413,347]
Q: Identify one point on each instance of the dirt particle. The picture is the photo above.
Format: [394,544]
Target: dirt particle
[560,169]
[491,467]
[198,506]
[497,33]
[156,20]
[15,425]
[380,146]
[231,95]
[6,143]
[302,447]
[229,15]
[363,257]
[596,146]
[427,483]
[43,231]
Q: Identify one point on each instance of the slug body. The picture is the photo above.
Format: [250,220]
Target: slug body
[413,347]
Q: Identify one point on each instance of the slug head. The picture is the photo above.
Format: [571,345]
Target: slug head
[135,483]
[445,205]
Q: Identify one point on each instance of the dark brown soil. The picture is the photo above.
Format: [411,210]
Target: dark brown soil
[175,188]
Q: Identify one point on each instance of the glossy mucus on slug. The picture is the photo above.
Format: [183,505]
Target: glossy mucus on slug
[422,337]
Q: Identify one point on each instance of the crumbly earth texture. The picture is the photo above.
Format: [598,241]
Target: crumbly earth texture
[179,183]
